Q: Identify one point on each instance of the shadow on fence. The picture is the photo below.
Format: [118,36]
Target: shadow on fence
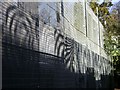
[25,68]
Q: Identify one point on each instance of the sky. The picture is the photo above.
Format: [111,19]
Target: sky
[113,1]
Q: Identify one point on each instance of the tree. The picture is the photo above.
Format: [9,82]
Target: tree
[111,34]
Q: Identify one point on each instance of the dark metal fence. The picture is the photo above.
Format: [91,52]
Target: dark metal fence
[37,55]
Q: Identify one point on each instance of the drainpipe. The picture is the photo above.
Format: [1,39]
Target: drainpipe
[86,37]
[62,13]
[85,17]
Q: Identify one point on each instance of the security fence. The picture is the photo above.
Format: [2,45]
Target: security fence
[38,53]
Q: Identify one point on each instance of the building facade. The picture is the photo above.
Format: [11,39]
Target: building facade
[53,44]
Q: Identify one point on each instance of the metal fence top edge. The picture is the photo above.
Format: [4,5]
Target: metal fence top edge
[52,1]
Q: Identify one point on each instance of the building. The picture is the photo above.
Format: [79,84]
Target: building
[60,47]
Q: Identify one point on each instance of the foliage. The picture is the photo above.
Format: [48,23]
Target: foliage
[112,34]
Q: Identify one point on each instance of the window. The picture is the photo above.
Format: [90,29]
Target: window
[49,13]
